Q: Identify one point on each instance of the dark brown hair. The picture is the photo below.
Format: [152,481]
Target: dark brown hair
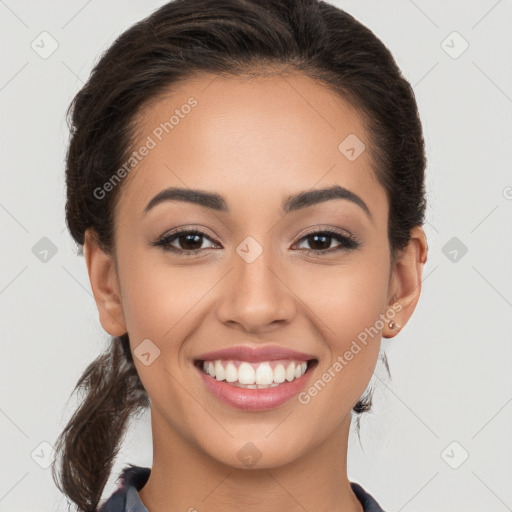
[232,38]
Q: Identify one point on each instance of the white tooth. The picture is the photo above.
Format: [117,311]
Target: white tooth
[231,373]
[279,373]
[264,374]
[220,374]
[290,372]
[261,378]
[246,373]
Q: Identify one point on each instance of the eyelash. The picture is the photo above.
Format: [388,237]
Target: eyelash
[348,242]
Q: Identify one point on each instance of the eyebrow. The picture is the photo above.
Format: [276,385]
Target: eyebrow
[292,203]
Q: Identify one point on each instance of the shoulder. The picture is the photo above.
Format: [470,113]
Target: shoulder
[125,498]
[367,500]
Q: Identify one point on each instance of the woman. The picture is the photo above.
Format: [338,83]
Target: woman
[247,181]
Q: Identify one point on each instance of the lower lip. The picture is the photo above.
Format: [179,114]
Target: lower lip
[255,399]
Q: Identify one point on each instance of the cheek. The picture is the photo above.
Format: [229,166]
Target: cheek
[347,304]
[157,297]
[347,299]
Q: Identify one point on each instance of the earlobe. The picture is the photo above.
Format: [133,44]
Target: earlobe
[405,282]
[105,286]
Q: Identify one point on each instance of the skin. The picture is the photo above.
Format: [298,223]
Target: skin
[254,142]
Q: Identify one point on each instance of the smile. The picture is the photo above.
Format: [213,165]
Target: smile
[255,385]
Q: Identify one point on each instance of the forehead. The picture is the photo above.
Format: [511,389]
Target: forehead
[266,134]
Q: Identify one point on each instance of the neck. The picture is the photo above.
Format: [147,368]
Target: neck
[184,478]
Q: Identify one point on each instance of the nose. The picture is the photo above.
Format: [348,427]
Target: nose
[255,296]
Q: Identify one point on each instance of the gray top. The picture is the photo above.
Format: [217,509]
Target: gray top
[133,478]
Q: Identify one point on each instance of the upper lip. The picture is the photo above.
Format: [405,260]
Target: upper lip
[255,354]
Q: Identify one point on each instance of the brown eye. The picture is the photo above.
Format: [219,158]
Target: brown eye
[320,241]
[189,241]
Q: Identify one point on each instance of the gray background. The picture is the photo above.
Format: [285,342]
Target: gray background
[450,395]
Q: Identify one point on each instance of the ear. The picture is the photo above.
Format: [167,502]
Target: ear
[105,286]
[405,282]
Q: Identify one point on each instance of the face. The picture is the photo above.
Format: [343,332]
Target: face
[251,267]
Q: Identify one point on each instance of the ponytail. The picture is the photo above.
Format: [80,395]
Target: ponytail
[91,440]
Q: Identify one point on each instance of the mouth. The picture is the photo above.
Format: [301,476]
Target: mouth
[255,375]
